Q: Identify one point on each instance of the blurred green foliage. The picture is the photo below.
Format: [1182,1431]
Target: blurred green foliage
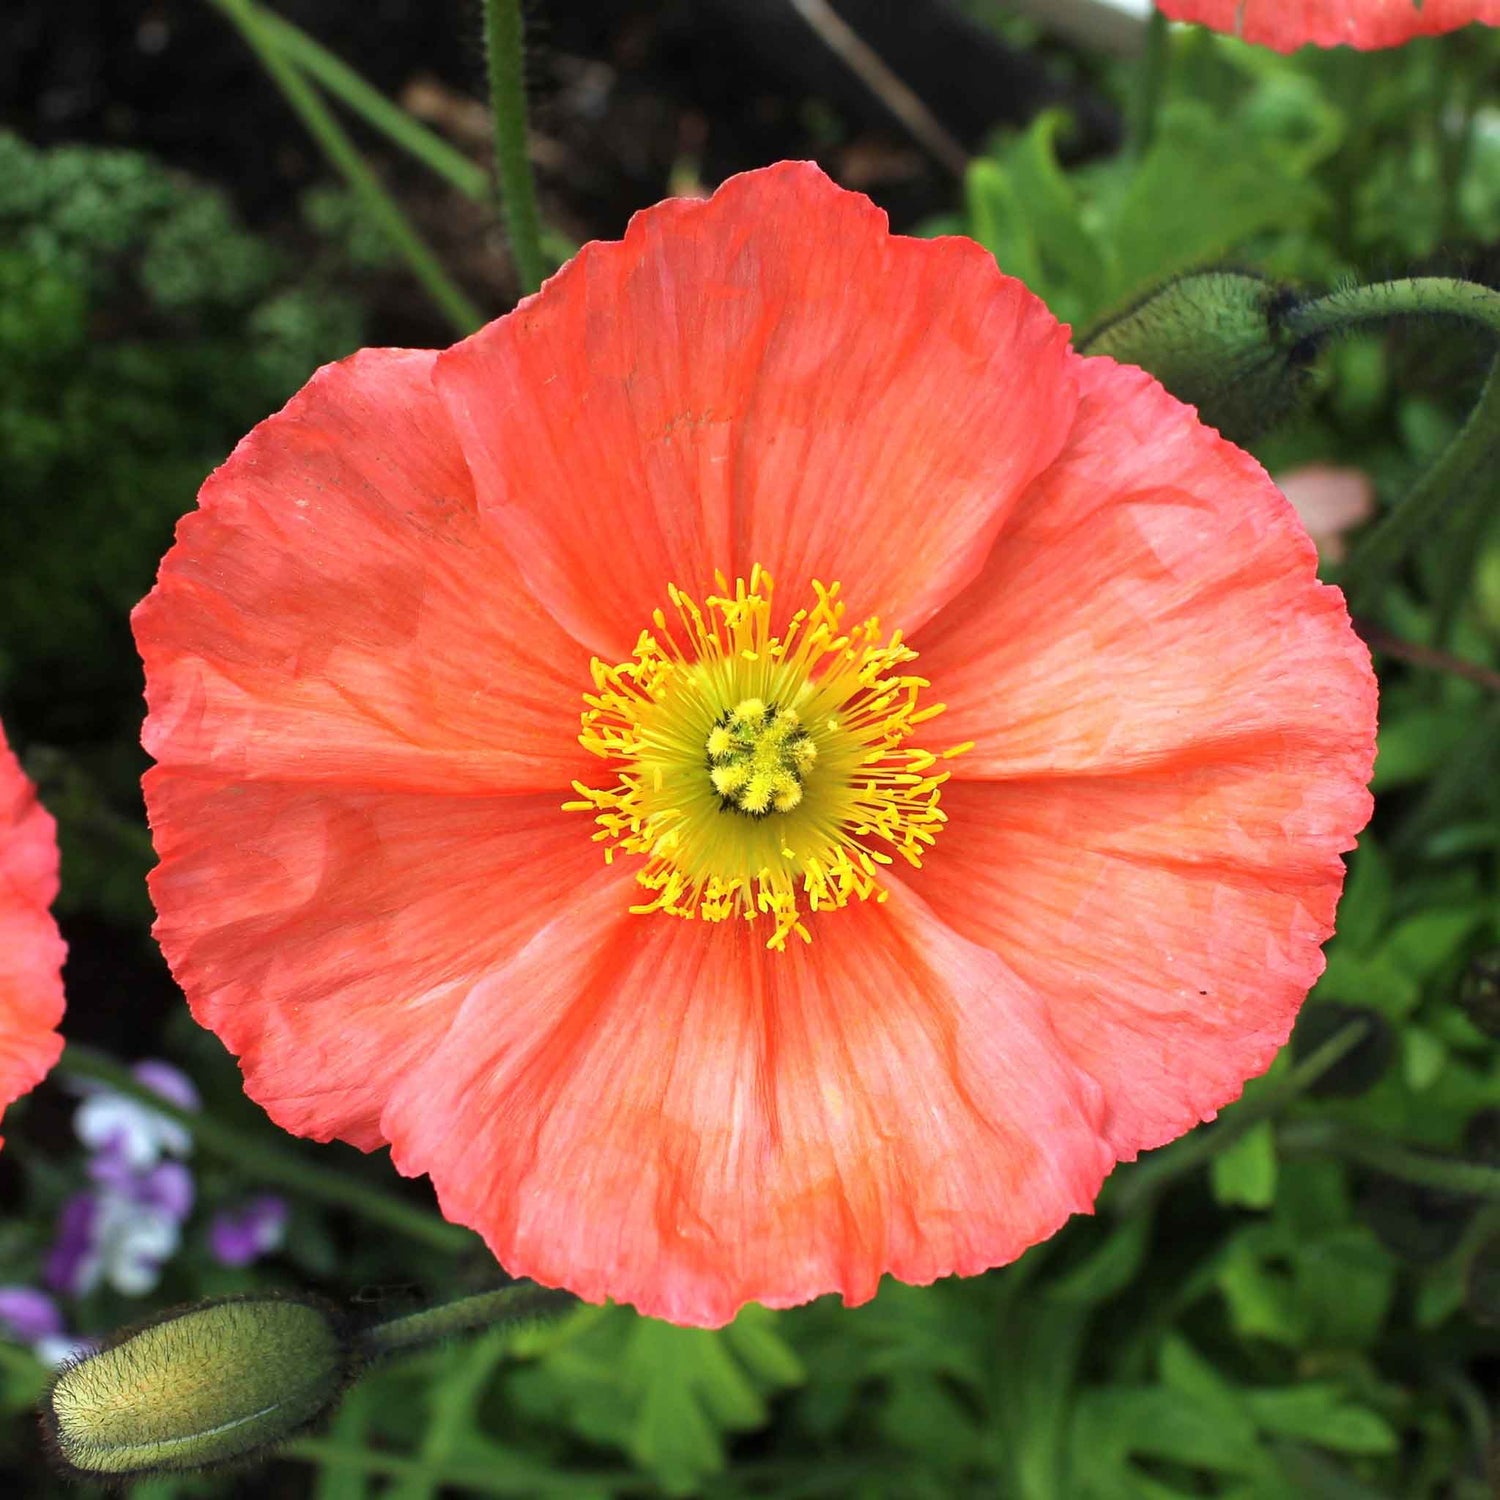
[1294,1301]
[143,330]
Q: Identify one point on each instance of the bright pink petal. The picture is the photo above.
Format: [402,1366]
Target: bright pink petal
[664,1113]
[329,938]
[1181,722]
[1289,24]
[336,612]
[1172,920]
[764,377]
[31,952]
[1152,603]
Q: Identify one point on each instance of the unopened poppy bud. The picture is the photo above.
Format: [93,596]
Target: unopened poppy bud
[1479,992]
[198,1388]
[1215,340]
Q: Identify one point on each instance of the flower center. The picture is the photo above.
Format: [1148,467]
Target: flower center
[759,774]
[757,757]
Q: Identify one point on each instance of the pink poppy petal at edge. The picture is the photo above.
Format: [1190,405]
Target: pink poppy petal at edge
[680,1120]
[1153,602]
[334,611]
[1289,24]
[330,942]
[1172,921]
[31,951]
[346,679]
[1175,727]
[765,377]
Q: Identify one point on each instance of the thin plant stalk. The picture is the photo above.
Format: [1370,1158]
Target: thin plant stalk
[270,1165]
[1463,463]
[1421,1169]
[1413,296]
[522,1303]
[379,206]
[341,82]
[504,35]
[1467,458]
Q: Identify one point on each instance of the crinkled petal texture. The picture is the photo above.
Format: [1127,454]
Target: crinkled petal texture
[1289,24]
[31,951]
[1174,727]
[679,1118]
[764,377]
[366,656]
[363,725]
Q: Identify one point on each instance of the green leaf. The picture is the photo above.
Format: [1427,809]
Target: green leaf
[1414,744]
[1422,1058]
[667,1396]
[1198,195]
[1244,1174]
[999,221]
[1366,905]
[1260,1299]
[1119,1422]
[1345,1284]
[1320,1414]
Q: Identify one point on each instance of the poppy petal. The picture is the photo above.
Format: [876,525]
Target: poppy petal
[31,951]
[1289,24]
[335,610]
[1172,919]
[330,941]
[678,1119]
[764,377]
[1153,602]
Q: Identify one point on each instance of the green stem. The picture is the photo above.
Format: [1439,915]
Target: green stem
[523,1302]
[379,206]
[1414,296]
[1147,1179]
[345,85]
[1150,83]
[269,1164]
[1445,1173]
[1464,462]
[503,36]
[1467,457]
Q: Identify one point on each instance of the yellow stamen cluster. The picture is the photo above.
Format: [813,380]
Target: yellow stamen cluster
[761,774]
[758,755]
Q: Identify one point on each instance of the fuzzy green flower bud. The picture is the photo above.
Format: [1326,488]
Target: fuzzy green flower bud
[207,1386]
[1216,340]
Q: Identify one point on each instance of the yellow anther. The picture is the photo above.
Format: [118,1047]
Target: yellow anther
[761,775]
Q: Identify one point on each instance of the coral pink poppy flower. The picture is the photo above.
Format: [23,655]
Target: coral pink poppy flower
[779,975]
[1289,24]
[31,952]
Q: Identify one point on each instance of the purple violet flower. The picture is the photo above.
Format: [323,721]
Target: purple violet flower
[241,1235]
[28,1314]
[72,1264]
[134,1133]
